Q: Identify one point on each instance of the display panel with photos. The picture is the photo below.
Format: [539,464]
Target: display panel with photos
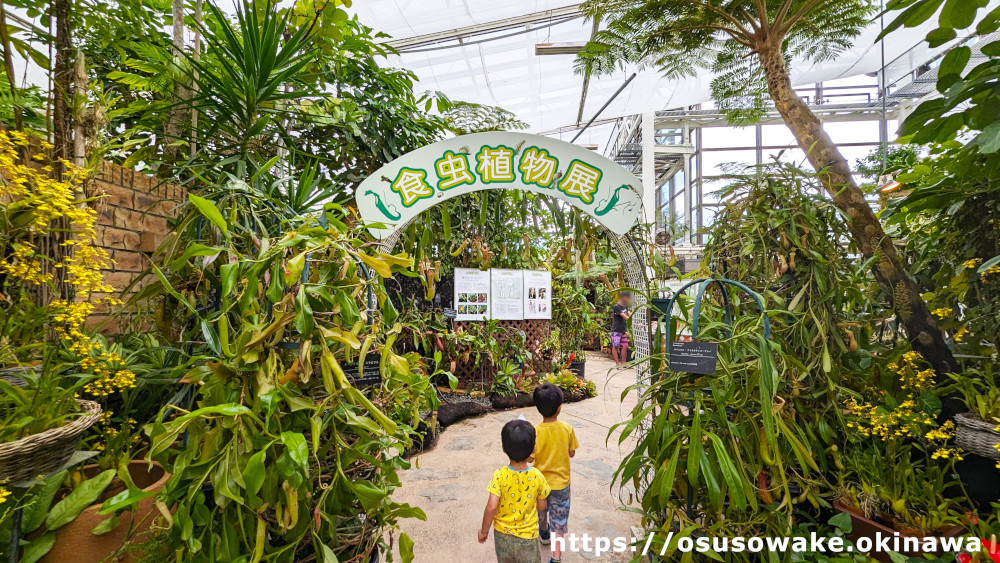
[537,294]
[472,294]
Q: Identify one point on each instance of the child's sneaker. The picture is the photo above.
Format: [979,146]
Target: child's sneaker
[554,560]
[543,536]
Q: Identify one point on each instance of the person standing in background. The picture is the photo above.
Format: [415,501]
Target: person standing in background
[619,329]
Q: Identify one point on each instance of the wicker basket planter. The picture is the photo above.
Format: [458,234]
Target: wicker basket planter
[13,375]
[45,452]
[977,436]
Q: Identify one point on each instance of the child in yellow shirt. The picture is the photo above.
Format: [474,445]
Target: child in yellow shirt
[517,496]
[555,444]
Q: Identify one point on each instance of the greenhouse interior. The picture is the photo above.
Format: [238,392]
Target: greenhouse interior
[335,281]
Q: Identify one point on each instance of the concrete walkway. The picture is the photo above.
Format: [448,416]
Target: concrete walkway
[449,482]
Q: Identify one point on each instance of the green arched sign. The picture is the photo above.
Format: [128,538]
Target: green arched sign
[420,179]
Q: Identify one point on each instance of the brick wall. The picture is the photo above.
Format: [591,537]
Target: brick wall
[133,217]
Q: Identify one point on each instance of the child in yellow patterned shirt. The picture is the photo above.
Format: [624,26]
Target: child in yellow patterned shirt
[517,496]
[555,445]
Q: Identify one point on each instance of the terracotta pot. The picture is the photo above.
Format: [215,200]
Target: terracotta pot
[75,542]
[863,527]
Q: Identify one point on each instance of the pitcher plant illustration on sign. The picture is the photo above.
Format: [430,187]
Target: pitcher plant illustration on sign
[420,179]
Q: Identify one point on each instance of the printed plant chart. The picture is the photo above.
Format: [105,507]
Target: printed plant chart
[537,294]
[507,294]
[472,294]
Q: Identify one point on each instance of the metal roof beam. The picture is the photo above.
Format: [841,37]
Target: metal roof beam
[825,112]
[466,32]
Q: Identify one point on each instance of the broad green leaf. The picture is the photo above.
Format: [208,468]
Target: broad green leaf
[294,267]
[405,548]
[38,548]
[224,483]
[254,472]
[34,513]
[84,495]
[211,337]
[209,211]
[106,525]
[228,273]
[940,36]
[124,499]
[304,322]
[989,139]
[297,448]
[952,66]
[327,554]
[842,521]
[960,14]
[195,249]
[369,495]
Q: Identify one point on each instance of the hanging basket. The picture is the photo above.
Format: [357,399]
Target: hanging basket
[45,452]
[12,375]
[728,310]
[977,436]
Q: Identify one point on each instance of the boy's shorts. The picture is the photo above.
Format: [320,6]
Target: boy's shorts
[512,549]
[558,511]
[619,339]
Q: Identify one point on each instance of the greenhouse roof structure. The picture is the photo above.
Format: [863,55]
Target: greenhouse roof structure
[518,54]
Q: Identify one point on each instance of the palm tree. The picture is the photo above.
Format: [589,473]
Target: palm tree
[747,44]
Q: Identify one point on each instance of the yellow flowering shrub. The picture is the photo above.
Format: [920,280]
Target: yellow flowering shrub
[905,419]
[942,312]
[33,203]
[900,461]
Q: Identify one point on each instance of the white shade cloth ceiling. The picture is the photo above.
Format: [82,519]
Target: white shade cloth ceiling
[545,92]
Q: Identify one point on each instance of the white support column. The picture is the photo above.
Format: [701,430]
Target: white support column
[649,169]
[685,214]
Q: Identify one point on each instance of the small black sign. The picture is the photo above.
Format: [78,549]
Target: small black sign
[694,357]
[450,313]
[372,376]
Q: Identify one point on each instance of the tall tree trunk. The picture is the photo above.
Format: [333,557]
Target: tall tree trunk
[62,82]
[864,226]
[79,110]
[194,85]
[176,119]
[8,67]
[62,140]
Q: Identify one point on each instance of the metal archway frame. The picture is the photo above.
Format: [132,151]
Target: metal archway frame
[633,260]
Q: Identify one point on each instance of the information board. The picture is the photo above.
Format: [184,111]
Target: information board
[537,294]
[371,376]
[506,294]
[472,294]
[694,357]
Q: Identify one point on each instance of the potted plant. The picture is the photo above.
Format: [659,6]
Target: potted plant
[574,388]
[102,531]
[304,457]
[978,431]
[899,462]
[574,321]
[45,410]
[512,385]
